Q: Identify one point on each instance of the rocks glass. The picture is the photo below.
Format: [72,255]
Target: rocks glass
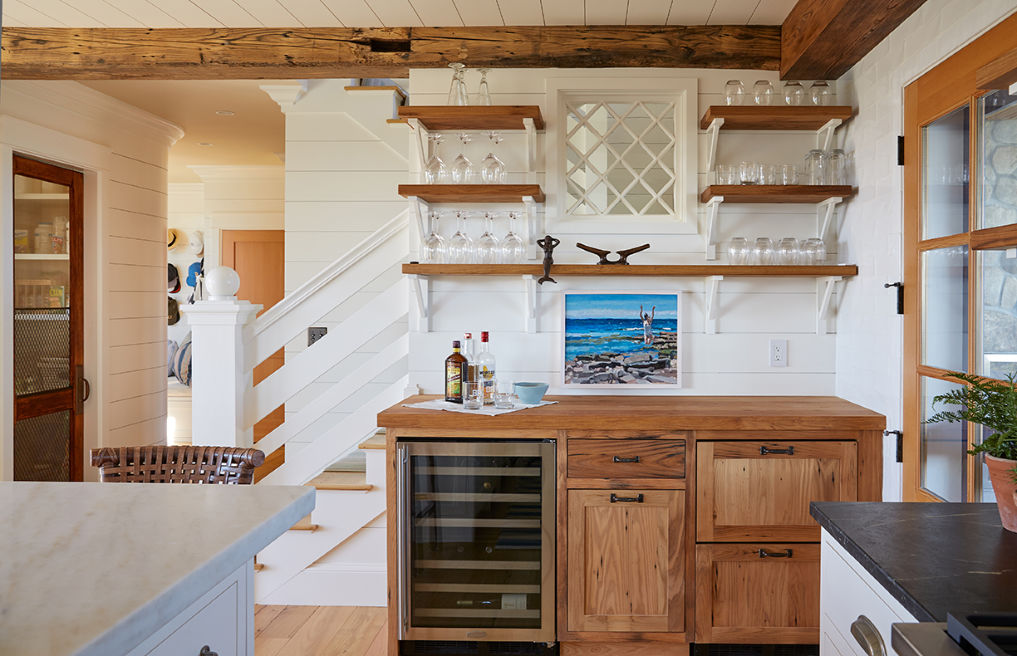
[794,93]
[748,173]
[787,252]
[788,174]
[734,93]
[813,251]
[763,251]
[763,93]
[738,250]
[821,93]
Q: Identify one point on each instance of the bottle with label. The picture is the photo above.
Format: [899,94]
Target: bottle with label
[469,350]
[455,374]
[485,368]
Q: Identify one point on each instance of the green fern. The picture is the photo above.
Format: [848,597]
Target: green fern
[991,403]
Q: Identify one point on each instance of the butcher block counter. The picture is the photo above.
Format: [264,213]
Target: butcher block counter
[679,519]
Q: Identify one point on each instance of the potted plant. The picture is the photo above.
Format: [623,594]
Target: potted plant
[993,404]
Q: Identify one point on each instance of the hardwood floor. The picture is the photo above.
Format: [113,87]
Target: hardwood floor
[319,631]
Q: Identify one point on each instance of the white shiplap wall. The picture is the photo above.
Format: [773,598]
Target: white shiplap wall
[734,361]
[123,153]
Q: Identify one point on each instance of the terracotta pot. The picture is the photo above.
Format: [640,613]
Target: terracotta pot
[1001,474]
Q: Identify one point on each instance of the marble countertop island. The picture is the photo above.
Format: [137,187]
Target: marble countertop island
[94,569]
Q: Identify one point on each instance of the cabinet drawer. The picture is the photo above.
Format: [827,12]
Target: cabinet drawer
[214,625]
[626,458]
[749,490]
[757,593]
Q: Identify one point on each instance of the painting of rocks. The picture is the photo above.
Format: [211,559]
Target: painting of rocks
[621,339]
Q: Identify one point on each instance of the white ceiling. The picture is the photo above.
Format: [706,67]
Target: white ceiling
[388,13]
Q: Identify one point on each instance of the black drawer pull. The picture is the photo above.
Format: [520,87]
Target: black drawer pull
[763,553]
[617,499]
[790,451]
[632,459]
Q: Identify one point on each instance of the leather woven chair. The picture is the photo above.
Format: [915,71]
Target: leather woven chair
[177,464]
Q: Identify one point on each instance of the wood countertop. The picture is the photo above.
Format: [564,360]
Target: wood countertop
[602,412]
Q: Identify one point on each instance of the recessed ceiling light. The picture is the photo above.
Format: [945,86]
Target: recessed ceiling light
[205,143]
[225,112]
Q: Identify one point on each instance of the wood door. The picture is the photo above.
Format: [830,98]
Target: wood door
[625,560]
[748,490]
[259,257]
[757,593]
[49,385]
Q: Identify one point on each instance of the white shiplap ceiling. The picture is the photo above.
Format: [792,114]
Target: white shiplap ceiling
[388,13]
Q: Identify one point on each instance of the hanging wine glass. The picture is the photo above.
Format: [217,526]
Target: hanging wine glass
[488,246]
[462,167]
[457,92]
[460,246]
[492,169]
[434,250]
[435,170]
[513,250]
[484,92]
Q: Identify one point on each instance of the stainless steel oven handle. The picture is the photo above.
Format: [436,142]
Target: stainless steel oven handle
[403,535]
[868,637]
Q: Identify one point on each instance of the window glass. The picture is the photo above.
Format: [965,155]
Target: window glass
[945,308]
[998,314]
[945,144]
[943,446]
[999,159]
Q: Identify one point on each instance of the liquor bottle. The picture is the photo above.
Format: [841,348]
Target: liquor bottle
[485,368]
[469,350]
[455,374]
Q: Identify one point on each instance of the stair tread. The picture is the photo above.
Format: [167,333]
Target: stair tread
[376,441]
[388,87]
[341,481]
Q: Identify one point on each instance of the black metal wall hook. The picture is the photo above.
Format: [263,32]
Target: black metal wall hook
[623,255]
[900,294]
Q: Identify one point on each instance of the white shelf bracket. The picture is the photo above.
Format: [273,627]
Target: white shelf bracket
[531,150]
[419,130]
[422,293]
[530,287]
[419,210]
[824,299]
[713,131]
[532,231]
[712,284]
[824,135]
[825,211]
[712,207]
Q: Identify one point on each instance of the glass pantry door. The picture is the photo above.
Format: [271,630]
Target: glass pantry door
[49,386]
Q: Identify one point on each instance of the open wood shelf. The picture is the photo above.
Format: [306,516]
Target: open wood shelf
[42,256]
[473,117]
[774,117]
[472,193]
[776,193]
[691,270]
[42,196]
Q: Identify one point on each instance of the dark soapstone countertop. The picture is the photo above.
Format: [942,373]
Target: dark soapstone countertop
[934,558]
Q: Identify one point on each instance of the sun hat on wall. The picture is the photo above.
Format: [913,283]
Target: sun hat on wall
[174,279]
[174,239]
[196,243]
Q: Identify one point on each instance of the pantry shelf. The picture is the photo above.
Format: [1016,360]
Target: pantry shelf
[473,193]
[775,117]
[42,256]
[474,117]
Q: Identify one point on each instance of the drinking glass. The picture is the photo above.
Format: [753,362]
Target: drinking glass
[734,93]
[814,251]
[492,169]
[727,174]
[738,250]
[794,93]
[434,250]
[513,250]
[788,174]
[435,170]
[815,167]
[504,398]
[473,395]
[821,93]
[768,174]
[488,247]
[748,172]
[763,92]
[787,252]
[457,94]
[762,251]
[462,167]
[460,246]
[484,92]
[836,165]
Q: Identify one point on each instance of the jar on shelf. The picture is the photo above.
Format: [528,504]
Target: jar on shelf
[815,167]
[43,238]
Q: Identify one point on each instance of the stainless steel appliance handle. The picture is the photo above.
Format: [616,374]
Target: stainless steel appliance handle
[403,535]
[867,635]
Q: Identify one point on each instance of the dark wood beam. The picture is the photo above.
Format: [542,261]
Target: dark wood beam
[822,39]
[1000,73]
[72,53]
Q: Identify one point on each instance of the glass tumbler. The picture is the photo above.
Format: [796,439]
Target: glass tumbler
[815,167]
[768,174]
[748,172]
[787,252]
[836,167]
[816,250]
[794,93]
[473,395]
[788,174]
[734,93]
[763,251]
[738,250]
[763,92]
[821,93]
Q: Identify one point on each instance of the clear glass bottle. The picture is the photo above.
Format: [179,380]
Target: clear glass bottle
[470,352]
[486,368]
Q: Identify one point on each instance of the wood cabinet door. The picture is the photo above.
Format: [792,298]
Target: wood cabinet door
[625,560]
[749,490]
[757,593]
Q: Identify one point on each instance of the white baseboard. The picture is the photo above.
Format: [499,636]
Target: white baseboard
[333,587]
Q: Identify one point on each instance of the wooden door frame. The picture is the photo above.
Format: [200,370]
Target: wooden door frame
[947,87]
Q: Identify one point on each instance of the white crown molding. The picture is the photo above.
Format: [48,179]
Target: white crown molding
[83,101]
[286,95]
[237,172]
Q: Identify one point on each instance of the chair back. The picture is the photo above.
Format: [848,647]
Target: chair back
[177,464]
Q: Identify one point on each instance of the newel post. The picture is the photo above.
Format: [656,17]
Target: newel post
[220,377]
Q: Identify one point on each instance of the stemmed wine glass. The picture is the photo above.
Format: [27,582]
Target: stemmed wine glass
[488,247]
[434,243]
[462,167]
[460,246]
[513,250]
[435,170]
[457,92]
[492,169]
[484,92]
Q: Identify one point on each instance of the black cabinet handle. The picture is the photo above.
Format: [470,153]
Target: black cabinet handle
[763,553]
[632,459]
[617,499]
[207,651]
[790,451]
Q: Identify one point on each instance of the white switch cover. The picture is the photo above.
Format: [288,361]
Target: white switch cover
[778,352]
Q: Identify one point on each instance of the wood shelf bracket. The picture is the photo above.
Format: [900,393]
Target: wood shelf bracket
[531,288]
[421,286]
[712,207]
[824,135]
[825,211]
[712,284]
[713,131]
[824,303]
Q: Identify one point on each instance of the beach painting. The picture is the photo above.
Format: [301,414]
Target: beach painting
[622,339]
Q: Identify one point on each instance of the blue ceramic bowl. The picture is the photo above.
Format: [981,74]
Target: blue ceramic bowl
[530,393]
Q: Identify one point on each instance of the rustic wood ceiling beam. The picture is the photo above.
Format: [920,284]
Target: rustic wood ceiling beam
[106,53]
[822,39]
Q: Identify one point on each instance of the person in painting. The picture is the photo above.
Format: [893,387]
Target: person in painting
[647,324]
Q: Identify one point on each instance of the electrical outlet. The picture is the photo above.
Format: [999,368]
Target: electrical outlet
[315,333]
[778,352]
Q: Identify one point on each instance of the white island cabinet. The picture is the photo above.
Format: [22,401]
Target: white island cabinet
[95,569]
